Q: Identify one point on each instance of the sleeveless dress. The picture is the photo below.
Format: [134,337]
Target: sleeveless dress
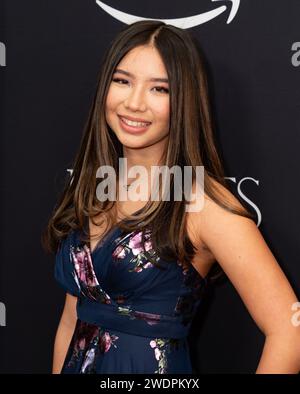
[132,317]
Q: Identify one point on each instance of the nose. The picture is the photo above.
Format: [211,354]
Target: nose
[135,100]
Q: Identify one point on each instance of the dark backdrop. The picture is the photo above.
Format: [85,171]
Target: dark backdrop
[52,54]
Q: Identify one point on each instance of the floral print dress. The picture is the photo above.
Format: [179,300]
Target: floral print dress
[132,315]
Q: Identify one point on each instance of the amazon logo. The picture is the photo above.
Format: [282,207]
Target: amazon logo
[183,23]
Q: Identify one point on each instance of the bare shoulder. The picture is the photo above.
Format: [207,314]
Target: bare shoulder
[242,252]
[224,194]
[212,217]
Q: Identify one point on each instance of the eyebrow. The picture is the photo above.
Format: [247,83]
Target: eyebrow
[118,70]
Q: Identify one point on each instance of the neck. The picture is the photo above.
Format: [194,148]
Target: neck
[143,157]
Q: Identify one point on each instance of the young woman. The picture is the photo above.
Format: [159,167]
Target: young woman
[134,272]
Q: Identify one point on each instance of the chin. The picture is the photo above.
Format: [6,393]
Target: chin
[131,140]
[128,143]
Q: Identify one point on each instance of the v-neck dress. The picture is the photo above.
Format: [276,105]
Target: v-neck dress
[132,316]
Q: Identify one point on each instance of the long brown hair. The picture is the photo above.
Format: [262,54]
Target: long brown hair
[191,143]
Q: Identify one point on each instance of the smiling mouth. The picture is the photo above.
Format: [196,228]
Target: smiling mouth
[132,127]
[134,123]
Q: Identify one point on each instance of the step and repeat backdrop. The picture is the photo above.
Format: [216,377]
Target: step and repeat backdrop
[50,54]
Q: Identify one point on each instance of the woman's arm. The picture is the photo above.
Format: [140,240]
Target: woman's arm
[64,333]
[280,355]
[242,252]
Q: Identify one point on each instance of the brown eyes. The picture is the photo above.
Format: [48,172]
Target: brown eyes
[160,89]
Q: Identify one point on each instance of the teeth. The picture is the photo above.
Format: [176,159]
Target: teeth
[135,124]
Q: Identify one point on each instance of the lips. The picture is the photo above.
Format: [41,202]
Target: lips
[134,119]
[131,128]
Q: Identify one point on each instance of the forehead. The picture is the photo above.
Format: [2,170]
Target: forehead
[144,61]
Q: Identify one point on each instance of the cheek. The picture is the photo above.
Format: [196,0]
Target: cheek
[110,107]
[163,113]
[162,108]
[110,100]
[114,97]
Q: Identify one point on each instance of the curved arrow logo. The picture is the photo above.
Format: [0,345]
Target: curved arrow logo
[183,23]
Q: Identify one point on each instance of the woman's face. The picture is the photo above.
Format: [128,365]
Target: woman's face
[135,94]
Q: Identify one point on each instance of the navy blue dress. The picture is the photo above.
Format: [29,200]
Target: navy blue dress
[132,316]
